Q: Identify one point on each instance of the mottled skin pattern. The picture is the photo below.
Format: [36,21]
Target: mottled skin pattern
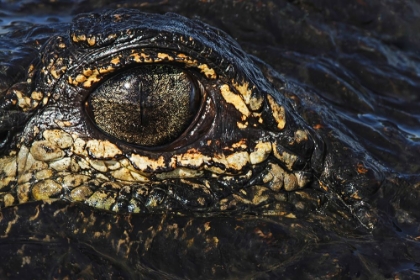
[61,154]
[265,183]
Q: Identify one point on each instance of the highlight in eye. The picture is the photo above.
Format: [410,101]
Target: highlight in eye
[147,106]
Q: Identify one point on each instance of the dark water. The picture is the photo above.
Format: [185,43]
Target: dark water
[359,61]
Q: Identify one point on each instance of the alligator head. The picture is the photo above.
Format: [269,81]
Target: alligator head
[148,113]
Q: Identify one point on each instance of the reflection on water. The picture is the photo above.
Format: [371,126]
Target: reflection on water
[412,133]
[12,20]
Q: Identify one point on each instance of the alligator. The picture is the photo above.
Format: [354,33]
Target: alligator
[154,145]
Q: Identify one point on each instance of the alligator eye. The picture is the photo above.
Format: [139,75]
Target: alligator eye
[147,106]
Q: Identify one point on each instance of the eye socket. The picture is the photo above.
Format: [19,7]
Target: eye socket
[150,105]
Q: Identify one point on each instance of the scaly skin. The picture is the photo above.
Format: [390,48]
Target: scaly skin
[60,154]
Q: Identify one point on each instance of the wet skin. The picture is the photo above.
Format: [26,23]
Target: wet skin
[260,170]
